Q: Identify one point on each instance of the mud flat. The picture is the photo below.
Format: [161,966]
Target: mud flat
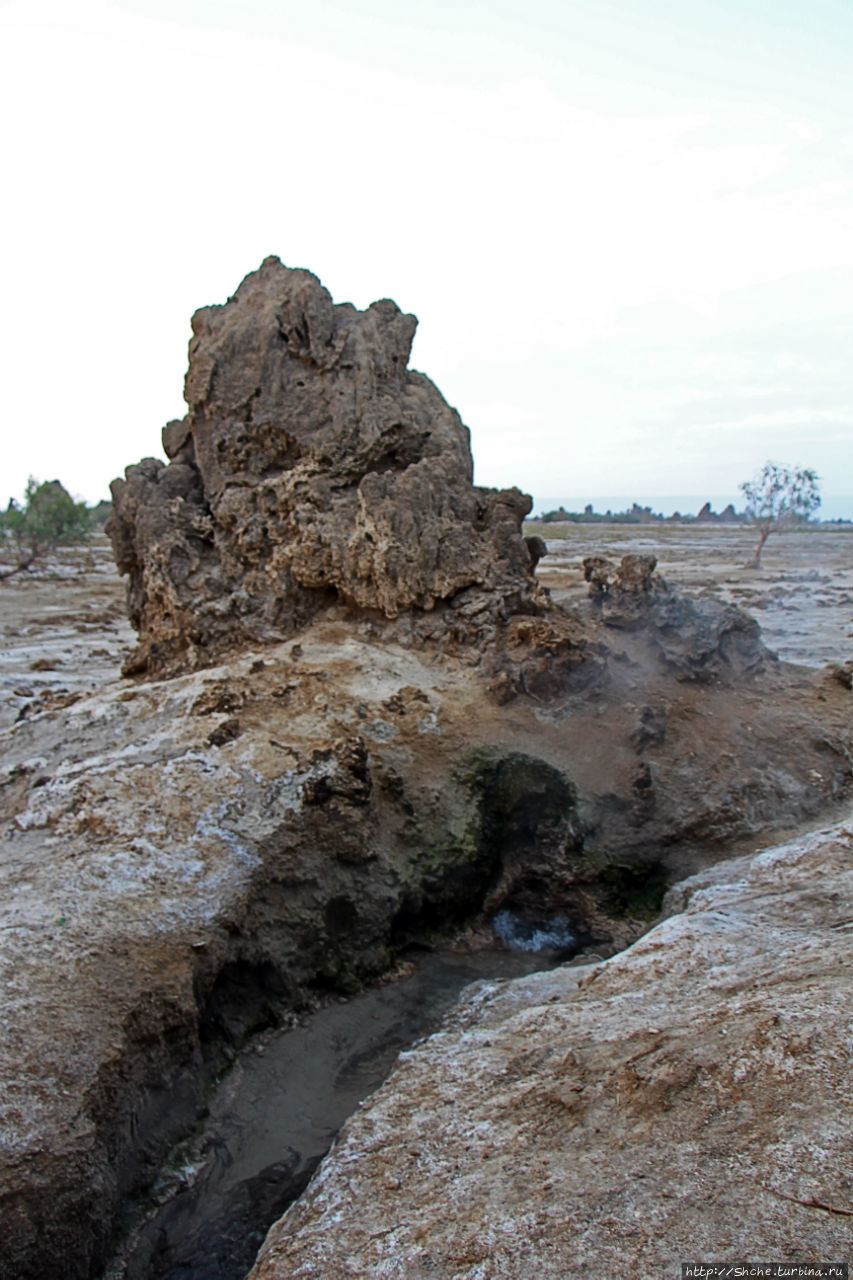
[63,631]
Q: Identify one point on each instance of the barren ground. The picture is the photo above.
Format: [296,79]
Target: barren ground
[65,631]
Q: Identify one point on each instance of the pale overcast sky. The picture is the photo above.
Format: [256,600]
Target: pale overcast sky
[626,226]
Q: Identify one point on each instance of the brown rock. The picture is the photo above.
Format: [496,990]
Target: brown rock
[313,466]
[624,592]
[536,547]
[340,770]
[545,658]
[842,672]
[225,732]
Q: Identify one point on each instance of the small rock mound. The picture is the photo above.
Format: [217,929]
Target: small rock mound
[313,466]
[700,639]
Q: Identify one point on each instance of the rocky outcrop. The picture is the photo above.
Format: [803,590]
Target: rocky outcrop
[684,1101]
[314,472]
[186,860]
[636,629]
[313,466]
[727,516]
[700,639]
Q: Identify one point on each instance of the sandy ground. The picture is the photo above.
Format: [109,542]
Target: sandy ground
[802,595]
[63,631]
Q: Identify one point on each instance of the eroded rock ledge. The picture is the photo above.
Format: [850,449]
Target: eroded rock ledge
[185,859]
[687,1100]
[313,466]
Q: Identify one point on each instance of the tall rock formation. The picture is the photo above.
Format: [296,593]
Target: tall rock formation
[312,466]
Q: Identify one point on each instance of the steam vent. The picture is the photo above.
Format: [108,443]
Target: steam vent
[313,466]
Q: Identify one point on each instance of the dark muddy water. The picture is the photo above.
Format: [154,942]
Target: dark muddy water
[277,1112]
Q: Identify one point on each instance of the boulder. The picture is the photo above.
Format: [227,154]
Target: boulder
[313,467]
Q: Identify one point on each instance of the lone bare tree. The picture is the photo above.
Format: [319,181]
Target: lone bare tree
[779,498]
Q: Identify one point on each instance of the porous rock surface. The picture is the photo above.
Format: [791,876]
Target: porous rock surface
[182,858]
[687,1100]
[312,466]
[700,639]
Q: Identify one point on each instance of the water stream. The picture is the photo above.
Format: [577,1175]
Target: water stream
[277,1111]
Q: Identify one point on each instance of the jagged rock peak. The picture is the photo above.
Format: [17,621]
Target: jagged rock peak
[313,465]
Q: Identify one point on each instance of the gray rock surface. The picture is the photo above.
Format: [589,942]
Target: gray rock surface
[181,858]
[687,1100]
[313,466]
[699,639]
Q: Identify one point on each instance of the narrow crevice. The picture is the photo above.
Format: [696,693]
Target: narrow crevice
[516,865]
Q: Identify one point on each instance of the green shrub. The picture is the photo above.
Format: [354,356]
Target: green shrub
[48,518]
